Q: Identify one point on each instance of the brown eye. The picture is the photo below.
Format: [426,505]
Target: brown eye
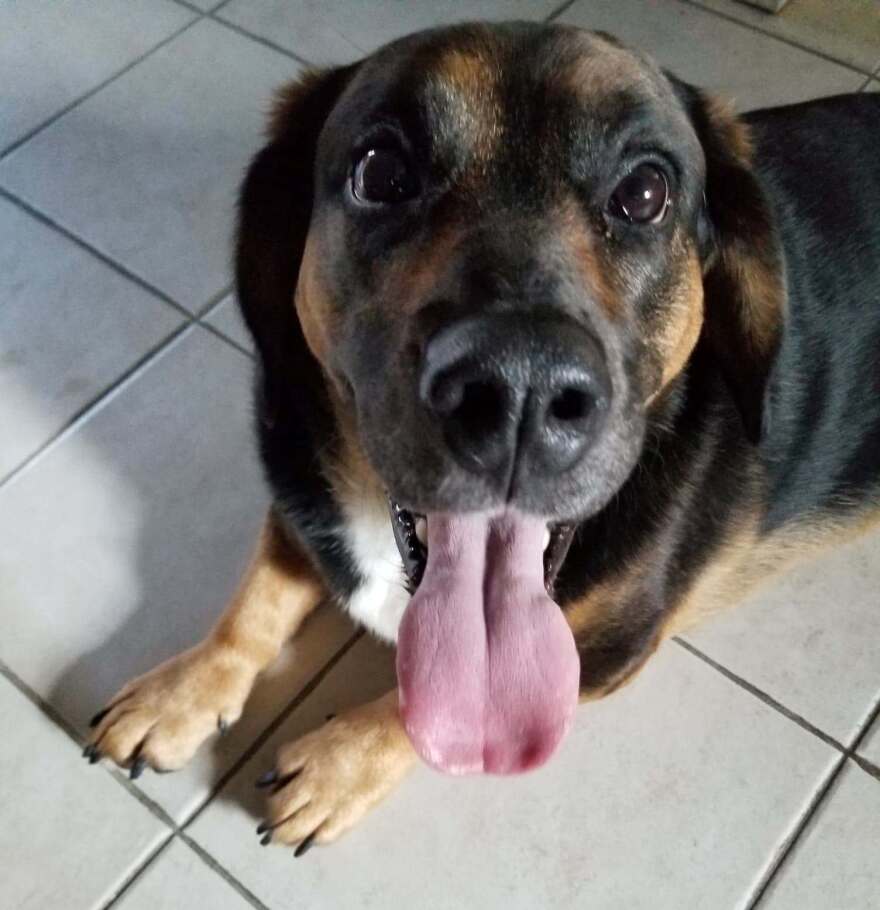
[383,176]
[642,197]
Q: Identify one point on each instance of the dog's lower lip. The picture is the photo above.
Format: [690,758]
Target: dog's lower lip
[412,551]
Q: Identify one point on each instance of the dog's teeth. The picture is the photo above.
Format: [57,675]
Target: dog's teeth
[546,538]
[422,530]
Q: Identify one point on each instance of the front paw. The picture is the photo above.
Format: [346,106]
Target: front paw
[159,719]
[325,782]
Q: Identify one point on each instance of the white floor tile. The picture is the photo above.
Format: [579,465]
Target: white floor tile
[179,878]
[673,793]
[52,53]
[148,169]
[809,639]
[848,30]
[121,545]
[69,837]
[339,31]
[836,863]
[69,326]
[752,69]
[226,318]
[870,748]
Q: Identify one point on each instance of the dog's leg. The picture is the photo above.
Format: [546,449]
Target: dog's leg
[161,718]
[325,782]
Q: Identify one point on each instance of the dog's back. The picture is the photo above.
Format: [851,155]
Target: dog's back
[820,163]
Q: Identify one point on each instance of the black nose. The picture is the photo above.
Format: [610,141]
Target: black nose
[514,391]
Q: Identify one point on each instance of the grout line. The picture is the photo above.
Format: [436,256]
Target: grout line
[96,403]
[786,849]
[61,722]
[227,876]
[764,697]
[120,269]
[17,143]
[120,775]
[866,83]
[42,706]
[136,875]
[230,341]
[175,829]
[867,765]
[867,724]
[192,7]
[270,729]
[560,10]
[775,35]
[213,300]
[260,40]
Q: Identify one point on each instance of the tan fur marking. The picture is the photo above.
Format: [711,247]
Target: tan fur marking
[683,320]
[747,255]
[736,134]
[761,290]
[414,277]
[312,303]
[280,588]
[601,67]
[578,237]
[465,82]
[343,769]
[163,716]
[748,561]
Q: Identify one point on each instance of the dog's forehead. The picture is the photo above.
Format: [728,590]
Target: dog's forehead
[475,82]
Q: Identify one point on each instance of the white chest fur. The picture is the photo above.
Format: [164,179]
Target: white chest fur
[380,601]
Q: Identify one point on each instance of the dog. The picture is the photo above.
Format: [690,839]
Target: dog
[533,317]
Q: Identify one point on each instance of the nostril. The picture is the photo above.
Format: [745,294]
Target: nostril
[477,419]
[481,408]
[571,405]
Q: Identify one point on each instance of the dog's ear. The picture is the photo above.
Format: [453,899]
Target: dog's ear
[744,269]
[275,208]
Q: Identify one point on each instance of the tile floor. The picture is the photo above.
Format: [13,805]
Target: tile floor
[741,770]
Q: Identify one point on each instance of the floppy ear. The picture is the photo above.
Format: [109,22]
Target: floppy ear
[744,266]
[275,208]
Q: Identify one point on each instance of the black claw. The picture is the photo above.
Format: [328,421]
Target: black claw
[94,756]
[222,726]
[137,769]
[263,827]
[307,844]
[266,780]
[265,841]
[99,717]
[87,751]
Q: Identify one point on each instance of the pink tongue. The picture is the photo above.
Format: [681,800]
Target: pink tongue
[486,663]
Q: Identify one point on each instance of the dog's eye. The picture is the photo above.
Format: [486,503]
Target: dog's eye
[642,197]
[383,176]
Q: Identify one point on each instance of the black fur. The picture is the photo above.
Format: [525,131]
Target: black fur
[798,408]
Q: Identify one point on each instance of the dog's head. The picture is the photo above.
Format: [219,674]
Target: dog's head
[498,243]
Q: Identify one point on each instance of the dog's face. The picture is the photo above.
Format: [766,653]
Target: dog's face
[503,268]
[494,241]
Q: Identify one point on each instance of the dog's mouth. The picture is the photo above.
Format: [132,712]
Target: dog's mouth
[487,666]
[411,534]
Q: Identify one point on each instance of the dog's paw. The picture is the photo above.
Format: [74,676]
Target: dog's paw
[325,782]
[159,720]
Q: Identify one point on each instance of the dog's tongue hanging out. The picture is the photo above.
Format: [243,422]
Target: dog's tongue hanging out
[486,663]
